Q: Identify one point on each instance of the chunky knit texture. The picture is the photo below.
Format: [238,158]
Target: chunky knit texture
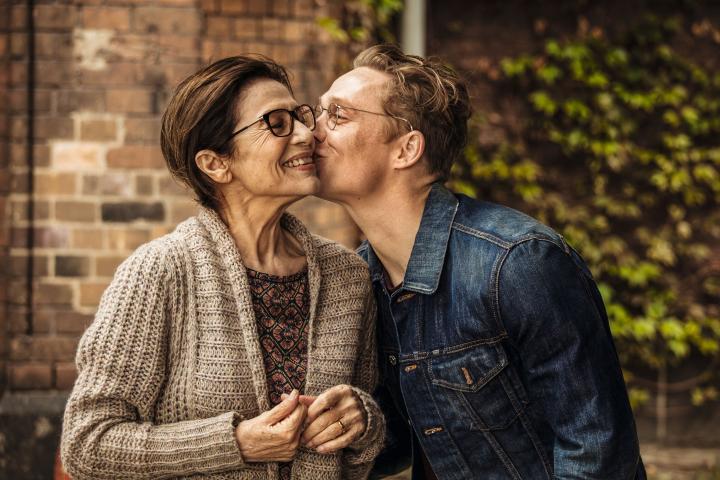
[172,360]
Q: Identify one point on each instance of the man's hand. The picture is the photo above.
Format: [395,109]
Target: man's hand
[273,436]
[334,420]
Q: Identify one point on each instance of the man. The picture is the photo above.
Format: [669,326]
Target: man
[496,358]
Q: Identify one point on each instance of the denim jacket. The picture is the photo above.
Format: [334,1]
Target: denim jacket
[496,353]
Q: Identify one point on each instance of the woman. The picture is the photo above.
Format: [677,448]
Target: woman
[203,333]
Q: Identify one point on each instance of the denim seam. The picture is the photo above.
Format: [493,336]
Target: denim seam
[495,294]
[408,357]
[492,373]
[487,433]
[533,438]
[477,233]
[465,467]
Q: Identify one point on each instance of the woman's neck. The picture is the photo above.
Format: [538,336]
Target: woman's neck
[264,245]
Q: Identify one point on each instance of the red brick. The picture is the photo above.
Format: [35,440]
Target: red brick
[55,183]
[210,6]
[90,293]
[72,322]
[54,46]
[166,20]
[54,16]
[53,236]
[43,347]
[18,264]
[98,130]
[126,240]
[54,74]
[169,186]
[136,156]
[27,376]
[65,375]
[111,18]
[75,211]
[246,28]
[272,29]
[54,128]
[282,8]
[18,17]
[218,27]
[21,212]
[53,294]
[233,7]
[129,100]
[258,7]
[142,130]
[87,238]
[117,74]
[80,100]
[106,266]
[116,184]
[144,185]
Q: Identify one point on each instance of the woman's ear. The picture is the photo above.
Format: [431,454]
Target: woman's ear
[411,149]
[214,166]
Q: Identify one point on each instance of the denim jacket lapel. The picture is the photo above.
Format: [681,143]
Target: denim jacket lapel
[428,253]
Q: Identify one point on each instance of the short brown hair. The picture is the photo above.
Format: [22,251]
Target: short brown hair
[201,115]
[430,95]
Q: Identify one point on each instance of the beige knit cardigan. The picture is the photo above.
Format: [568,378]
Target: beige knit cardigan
[173,359]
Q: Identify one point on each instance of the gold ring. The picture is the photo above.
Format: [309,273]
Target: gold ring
[342,425]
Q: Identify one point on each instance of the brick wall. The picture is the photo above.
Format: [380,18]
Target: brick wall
[104,72]
[4,185]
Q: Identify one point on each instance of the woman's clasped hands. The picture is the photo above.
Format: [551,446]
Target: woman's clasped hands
[327,423]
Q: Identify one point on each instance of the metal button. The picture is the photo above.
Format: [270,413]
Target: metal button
[432,430]
[410,367]
[393,360]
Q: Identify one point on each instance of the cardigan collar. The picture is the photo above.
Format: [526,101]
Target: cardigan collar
[230,255]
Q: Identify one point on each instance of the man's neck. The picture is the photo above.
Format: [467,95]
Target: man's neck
[390,220]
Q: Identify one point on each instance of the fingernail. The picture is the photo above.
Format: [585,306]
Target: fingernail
[321,449]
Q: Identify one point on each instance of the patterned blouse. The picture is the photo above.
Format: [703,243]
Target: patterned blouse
[282,313]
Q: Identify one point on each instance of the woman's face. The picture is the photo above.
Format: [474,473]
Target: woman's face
[266,165]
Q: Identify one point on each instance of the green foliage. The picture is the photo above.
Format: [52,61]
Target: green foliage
[620,153]
[361,23]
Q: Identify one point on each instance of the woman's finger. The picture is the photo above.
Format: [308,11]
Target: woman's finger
[338,443]
[332,431]
[323,402]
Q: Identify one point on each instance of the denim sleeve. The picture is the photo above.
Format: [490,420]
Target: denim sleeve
[555,318]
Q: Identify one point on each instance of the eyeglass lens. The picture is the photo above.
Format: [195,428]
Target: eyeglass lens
[281,121]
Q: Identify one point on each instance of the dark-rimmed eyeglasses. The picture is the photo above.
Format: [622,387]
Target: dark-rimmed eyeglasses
[335,112]
[281,121]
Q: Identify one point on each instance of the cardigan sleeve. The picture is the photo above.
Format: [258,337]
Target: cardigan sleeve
[359,456]
[108,430]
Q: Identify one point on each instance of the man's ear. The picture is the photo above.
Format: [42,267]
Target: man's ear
[214,166]
[411,149]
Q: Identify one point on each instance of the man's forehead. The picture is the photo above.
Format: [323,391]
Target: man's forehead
[359,84]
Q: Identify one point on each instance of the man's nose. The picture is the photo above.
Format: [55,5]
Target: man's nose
[320,131]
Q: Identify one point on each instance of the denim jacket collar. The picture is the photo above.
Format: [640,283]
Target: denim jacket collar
[428,254]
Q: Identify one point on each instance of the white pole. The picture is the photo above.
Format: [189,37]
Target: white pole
[413,27]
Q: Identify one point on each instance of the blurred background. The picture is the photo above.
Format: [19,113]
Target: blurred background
[601,118]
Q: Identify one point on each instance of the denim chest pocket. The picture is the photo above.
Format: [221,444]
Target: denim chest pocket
[482,385]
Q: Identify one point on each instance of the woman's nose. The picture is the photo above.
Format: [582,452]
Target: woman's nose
[302,133]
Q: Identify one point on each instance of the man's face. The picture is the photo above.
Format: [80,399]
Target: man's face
[353,159]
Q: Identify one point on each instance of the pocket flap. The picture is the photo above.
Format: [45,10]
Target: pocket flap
[468,370]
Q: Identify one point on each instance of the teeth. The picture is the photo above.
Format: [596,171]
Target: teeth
[299,161]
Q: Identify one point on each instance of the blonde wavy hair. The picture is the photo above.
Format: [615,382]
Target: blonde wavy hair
[430,95]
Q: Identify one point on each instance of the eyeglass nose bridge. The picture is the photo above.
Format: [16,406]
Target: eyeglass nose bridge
[332,118]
